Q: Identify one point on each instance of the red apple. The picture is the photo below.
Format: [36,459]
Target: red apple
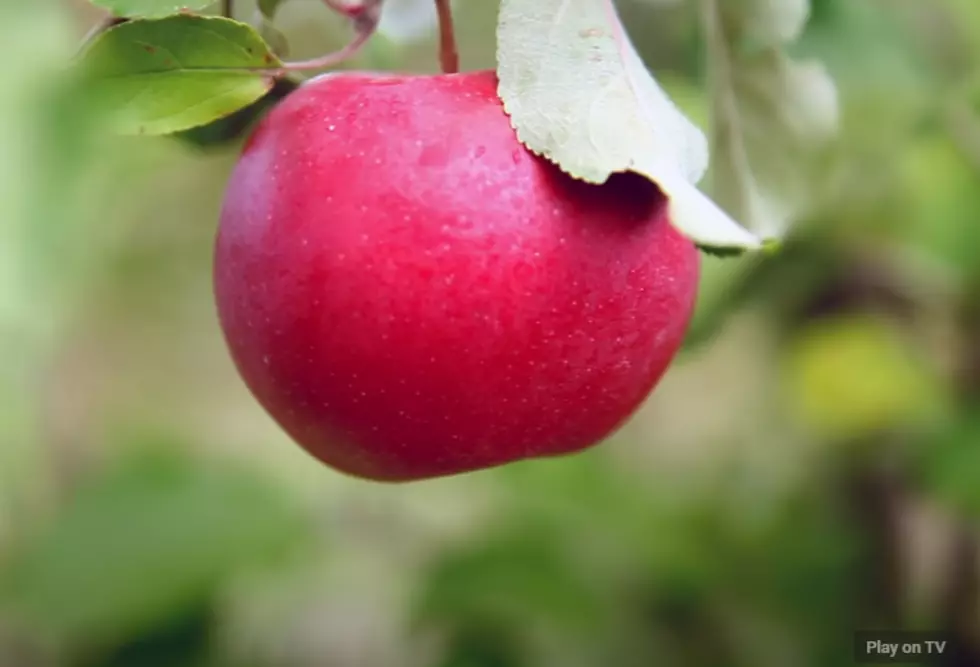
[411,293]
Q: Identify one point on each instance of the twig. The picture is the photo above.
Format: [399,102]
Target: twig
[350,50]
[448,53]
[365,16]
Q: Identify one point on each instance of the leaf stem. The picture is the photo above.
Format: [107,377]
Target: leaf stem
[365,15]
[348,51]
[448,53]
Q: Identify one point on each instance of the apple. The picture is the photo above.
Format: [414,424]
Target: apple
[410,293]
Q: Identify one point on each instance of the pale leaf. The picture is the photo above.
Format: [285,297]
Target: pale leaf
[765,23]
[579,95]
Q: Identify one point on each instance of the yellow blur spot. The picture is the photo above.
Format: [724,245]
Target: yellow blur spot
[853,376]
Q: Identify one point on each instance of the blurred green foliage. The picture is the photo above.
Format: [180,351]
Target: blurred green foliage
[148,514]
[810,466]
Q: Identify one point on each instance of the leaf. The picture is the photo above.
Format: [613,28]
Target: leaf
[766,23]
[233,127]
[151,8]
[139,547]
[578,94]
[798,96]
[789,113]
[268,8]
[771,117]
[162,76]
[522,574]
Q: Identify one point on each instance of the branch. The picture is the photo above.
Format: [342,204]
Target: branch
[448,53]
[875,495]
[959,601]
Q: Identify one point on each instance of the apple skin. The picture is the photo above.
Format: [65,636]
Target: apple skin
[410,293]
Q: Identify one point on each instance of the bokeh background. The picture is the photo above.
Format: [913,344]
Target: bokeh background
[809,466]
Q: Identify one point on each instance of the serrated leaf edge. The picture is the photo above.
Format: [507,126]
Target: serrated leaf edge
[751,242]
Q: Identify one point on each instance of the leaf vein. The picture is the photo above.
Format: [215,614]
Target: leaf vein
[160,47]
[248,55]
[188,109]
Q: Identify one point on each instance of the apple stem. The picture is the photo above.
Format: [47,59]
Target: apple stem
[448,53]
[228,8]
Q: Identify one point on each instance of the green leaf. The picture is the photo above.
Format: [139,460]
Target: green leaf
[151,8]
[149,541]
[231,128]
[162,76]
[579,94]
[513,578]
[269,8]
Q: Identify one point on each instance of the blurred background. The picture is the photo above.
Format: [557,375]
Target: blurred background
[808,467]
